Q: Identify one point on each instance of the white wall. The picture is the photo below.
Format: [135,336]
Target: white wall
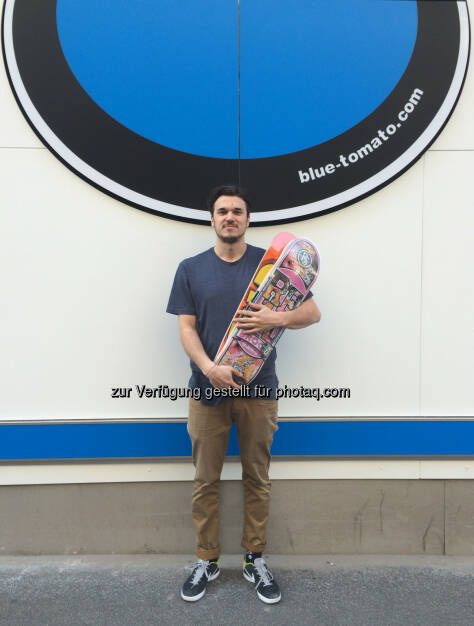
[85,282]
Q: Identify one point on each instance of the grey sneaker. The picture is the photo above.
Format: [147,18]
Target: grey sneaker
[195,585]
[257,572]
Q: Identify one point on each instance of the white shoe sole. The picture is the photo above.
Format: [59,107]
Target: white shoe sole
[269,600]
[200,595]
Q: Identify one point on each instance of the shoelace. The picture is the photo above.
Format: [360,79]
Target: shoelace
[199,571]
[263,572]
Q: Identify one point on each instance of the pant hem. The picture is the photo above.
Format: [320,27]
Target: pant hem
[205,555]
[257,548]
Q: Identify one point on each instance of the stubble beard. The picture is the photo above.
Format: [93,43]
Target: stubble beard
[232,239]
[229,238]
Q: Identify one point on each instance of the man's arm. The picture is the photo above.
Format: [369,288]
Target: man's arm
[263,318]
[219,375]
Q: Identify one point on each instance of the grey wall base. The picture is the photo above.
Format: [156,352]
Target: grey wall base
[308,517]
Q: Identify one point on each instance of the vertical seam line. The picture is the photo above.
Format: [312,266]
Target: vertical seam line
[444,517]
[420,356]
[238,82]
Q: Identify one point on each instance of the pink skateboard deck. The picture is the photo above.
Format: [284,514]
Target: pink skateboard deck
[282,287]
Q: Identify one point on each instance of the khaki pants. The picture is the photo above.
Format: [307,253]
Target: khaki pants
[208,427]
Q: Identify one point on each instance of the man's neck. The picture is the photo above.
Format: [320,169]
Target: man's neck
[230,251]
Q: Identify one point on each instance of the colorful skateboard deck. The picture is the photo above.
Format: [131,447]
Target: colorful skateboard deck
[266,264]
[281,284]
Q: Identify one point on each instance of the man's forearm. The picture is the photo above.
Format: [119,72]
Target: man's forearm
[220,376]
[305,315]
[260,318]
[193,348]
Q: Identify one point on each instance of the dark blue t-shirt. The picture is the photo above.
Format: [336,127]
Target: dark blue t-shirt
[211,289]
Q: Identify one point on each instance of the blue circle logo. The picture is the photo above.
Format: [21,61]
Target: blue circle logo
[310,106]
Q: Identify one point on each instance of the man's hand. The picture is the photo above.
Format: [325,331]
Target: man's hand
[221,376]
[260,319]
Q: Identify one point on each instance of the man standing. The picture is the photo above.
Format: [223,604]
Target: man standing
[206,292]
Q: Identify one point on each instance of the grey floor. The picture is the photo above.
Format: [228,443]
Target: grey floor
[327,590]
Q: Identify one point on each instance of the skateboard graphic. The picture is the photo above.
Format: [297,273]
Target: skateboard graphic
[282,280]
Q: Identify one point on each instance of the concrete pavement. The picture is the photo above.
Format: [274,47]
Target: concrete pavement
[321,590]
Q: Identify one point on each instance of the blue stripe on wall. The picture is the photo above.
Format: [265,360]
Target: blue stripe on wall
[131,440]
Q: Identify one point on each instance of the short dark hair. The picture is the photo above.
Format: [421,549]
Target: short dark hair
[227,190]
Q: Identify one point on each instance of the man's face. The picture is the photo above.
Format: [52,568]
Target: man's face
[230,219]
